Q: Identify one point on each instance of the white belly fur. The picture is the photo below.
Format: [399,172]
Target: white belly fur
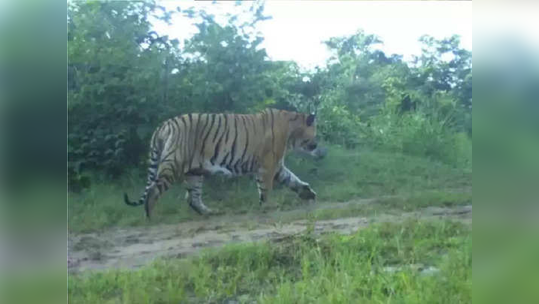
[216,169]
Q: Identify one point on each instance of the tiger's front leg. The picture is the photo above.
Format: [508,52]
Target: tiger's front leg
[289,179]
[194,194]
[264,181]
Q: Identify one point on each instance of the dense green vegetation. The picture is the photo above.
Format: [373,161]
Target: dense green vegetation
[396,131]
[124,78]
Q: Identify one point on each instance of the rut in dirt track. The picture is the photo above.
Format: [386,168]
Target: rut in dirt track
[137,246]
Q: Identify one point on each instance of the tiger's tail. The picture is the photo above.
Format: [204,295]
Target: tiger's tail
[155,158]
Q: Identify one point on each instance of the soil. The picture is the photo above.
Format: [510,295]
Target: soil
[137,246]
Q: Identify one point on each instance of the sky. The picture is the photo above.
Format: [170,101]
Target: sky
[298,28]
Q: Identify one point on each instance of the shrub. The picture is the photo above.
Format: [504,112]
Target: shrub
[420,133]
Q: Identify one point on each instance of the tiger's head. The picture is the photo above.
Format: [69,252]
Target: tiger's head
[303,134]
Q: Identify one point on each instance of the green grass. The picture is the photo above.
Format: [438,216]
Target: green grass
[343,175]
[427,199]
[380,264]
[395,204]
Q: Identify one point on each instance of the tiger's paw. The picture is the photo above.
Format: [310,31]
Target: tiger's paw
[202,209]
[308,194]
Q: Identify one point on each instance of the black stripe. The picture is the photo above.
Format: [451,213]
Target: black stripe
[235,166]
[184,145]
[173,139]
[216,152]
[166,156]
[246,141]
[165,161]
[202,132]
[224,160]
[235,139]
[207,134]
[253,121]
[175,134]
[156,135]
[195,137]
[218,128]
[226,123]
[252,164]
[168,178]
[201,135]
[176,124]
[198,123]
[174,169]
[244,166]
[227,132]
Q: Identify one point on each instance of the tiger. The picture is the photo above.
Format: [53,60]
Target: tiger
[191,146]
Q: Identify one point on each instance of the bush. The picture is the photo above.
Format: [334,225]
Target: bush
[337,124]
[421,134]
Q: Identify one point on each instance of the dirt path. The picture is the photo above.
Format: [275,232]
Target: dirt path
[134,247]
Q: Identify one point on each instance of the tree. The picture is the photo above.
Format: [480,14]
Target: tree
[124,79]
[115,84]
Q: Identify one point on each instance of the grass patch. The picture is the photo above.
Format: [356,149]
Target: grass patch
[343,175]
[427,199]
[370,208]
[333,269]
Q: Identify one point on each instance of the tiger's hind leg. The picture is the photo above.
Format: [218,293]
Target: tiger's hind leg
[155,190]
[194,194]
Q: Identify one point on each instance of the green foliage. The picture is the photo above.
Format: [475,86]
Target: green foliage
[392,128]
[421,134]
[337,123]
[124,78]
[114,86]
[421,106]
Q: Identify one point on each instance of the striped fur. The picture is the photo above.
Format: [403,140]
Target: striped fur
[187,147]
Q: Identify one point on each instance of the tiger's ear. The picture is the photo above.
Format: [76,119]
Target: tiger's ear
[310,119]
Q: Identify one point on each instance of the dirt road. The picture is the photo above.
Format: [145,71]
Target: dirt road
[137,246]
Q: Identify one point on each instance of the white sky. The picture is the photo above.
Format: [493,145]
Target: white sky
[297,28]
